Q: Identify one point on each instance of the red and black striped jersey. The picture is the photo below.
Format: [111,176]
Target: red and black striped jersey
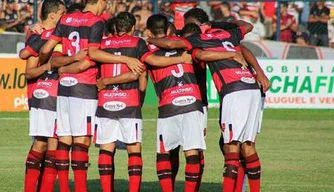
[175,85]
[200,72]
[33,44]
[121,100]
[77,31]
[228,75]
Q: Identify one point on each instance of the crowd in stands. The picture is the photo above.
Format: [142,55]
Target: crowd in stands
[304,23]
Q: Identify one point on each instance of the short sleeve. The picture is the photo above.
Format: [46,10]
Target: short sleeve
[193,41]
[142,51]
[57,33]
[237,33]
[96,34]
[33,44]
[193,54]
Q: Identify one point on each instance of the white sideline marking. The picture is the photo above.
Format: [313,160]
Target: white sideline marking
[26,118]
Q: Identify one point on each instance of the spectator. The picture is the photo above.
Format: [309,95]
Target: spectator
[226,14]
[318,25]
[288,24]
[167,11]
[302,38]
[215,9]
[267,10]
[248,10]
[258,31]
[12,17]
[145,12]
[2,26]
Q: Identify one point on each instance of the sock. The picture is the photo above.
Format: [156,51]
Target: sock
[191,173]
[241,175]
[135,166]
[41,175]
[201,170]
[63,165]
[230,171]
[33,165]
[106,170]
[164,172]
[253,166]
[50,172]
[79,165]
[174,160]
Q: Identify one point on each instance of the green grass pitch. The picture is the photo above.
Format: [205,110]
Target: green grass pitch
[295,148]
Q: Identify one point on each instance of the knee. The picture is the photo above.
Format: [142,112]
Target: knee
[233,147]
[248,148]
[83,140]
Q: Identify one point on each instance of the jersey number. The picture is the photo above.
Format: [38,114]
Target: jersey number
[76,37]
[117,66]
[228,46]
[179,66]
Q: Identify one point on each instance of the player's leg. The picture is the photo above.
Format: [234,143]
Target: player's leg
[79,161]
[135,166]
[231,165]
[253,166]
[106,164]
[50,172]
[241,179]
[33,163]
[174,160]
[192,170]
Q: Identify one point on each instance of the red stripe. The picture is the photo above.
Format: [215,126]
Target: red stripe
[143,58]
[162,147]
[168,97]
[231,133]
[161,73]
[95,134]
[55,130]
[31,51]
[186,42]
[53,37]
[89,128]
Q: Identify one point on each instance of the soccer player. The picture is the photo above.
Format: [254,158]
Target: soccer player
[180,112]
[120,98]
[42,90]
[232,81]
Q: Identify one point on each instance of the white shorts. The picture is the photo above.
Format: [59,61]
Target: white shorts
[42,123]
[125,130]
[240,116]
[205,120]
[185,130]
[75,116]
[261,114]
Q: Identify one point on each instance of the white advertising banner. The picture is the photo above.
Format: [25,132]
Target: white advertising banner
[300,83]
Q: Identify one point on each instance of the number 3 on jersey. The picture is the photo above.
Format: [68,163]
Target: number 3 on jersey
[74,37]
[179,66]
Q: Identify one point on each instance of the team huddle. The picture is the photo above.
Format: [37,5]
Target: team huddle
[87,80]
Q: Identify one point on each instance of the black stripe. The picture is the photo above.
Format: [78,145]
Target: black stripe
[216,66]
[105,169]
[106,152]
[124,86]
[62,165]
[79,165]
[164,174]
[162,157]
[171,81]
[162,52]
[237,86]
[63,146]
[134,155]
[126,51]
[230,171]
[50,162]
[193,159]
[172,110]
[128,112]
[192,177]
[79,147]
[67,29]
[254,173]
[83,91]
[49,75]
[49,103]
[33,163]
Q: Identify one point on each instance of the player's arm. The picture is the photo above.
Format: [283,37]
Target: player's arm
[215,56]
[245,25]
[250,58]
[324,18]
[24,54]
[162,61]
[32,70]
[97,55]
[32,47]
[223,25]
[45,52]
[57,62]
[142,87]
[167,43]
[123,78]
[76,67]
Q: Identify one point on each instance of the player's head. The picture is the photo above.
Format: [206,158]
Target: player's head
[171,29]
[111,28]
[225,7]
[52,10]
[125,23]
[157,25]
[75,7]
[284,6]
[197,16]
[190,29]
[100,5]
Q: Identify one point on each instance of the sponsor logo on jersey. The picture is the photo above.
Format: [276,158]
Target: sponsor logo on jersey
[40,94]
[182,90]
[68,81]
[109,95]
[114,106]
[68,20]
[184,100]
[44,84]
[249,80]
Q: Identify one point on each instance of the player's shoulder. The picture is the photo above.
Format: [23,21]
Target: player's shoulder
[153,48]
[46,34]
[218,34]
[92,18]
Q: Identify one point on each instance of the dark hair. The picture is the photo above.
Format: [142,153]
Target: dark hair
[111,26]
[50,6]
[285,4]
[157,24]
[191,28]
[227,5]
[198,14]
[75,7]
[124,22]
[91,1]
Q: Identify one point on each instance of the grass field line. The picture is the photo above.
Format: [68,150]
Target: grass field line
[26,118]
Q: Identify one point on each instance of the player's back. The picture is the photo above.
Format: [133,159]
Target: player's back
[120,100]
[175,86]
